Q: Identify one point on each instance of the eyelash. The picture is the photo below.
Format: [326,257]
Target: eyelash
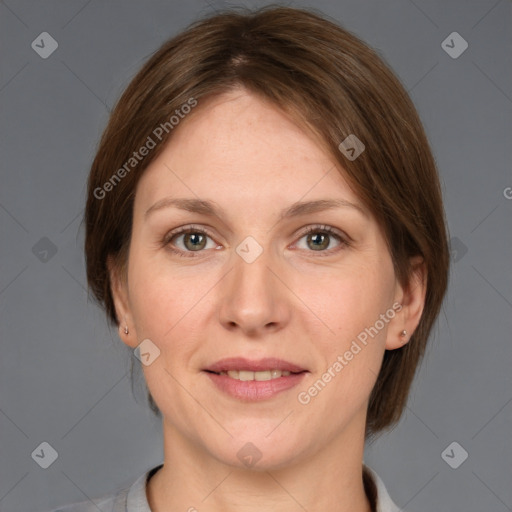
[343,240]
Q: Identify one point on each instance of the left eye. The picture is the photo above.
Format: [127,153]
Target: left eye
[319,238]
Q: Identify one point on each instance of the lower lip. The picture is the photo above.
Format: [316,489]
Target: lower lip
[255,390]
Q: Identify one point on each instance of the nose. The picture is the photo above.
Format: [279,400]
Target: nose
[253,298]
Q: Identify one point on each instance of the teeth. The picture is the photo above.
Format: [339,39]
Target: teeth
[245,375]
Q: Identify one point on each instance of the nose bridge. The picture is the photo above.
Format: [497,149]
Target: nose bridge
[251,274]
[253,298]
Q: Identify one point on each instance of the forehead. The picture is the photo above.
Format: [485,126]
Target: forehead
[239,148]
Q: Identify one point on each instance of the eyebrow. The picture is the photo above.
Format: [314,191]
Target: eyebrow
[210,208]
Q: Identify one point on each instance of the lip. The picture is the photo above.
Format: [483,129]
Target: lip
[253,390]
[259,365]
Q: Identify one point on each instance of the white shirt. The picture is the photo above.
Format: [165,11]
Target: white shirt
[134,499]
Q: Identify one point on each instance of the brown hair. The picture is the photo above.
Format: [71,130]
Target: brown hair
[333,84]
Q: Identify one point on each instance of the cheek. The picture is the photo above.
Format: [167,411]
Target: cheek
[167,300]
[155,299]
[348,331]
[349,340]
[346,301]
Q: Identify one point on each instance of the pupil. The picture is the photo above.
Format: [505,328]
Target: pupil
[320,238]
[195,239]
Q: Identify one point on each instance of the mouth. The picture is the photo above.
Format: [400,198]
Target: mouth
[261,369]
[254,380]
[247,375]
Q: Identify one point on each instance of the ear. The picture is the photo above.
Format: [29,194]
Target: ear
[412,298]
[119,290]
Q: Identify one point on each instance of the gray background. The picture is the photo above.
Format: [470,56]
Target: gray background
[64,375]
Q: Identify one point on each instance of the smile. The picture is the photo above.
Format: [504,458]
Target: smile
[259,376]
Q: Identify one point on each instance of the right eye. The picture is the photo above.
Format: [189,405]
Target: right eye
[193,239]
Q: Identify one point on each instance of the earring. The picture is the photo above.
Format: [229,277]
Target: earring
[126,329]
[403,334]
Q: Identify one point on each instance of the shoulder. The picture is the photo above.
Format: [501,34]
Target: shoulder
[131,498]
[378,493]
[106,503]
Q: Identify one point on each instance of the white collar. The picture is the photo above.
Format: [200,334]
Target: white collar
[134,499]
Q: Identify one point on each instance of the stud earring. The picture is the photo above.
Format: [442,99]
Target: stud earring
[126,329]
[403,334]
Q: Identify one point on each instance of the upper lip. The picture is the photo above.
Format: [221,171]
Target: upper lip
[254,365]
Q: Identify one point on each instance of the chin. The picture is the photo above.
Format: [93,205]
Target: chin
[258,449]
[266,458]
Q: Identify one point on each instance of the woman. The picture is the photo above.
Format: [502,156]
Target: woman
[264,224]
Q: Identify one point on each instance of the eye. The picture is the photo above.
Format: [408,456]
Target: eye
[187,240]
[319,239]
[193,239]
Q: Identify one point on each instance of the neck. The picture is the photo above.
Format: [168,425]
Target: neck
[192,480]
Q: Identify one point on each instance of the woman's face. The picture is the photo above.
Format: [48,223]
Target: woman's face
[249,289]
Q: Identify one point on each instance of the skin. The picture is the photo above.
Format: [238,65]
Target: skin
[293,302]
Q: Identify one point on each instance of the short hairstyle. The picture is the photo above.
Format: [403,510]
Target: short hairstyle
[332,84]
